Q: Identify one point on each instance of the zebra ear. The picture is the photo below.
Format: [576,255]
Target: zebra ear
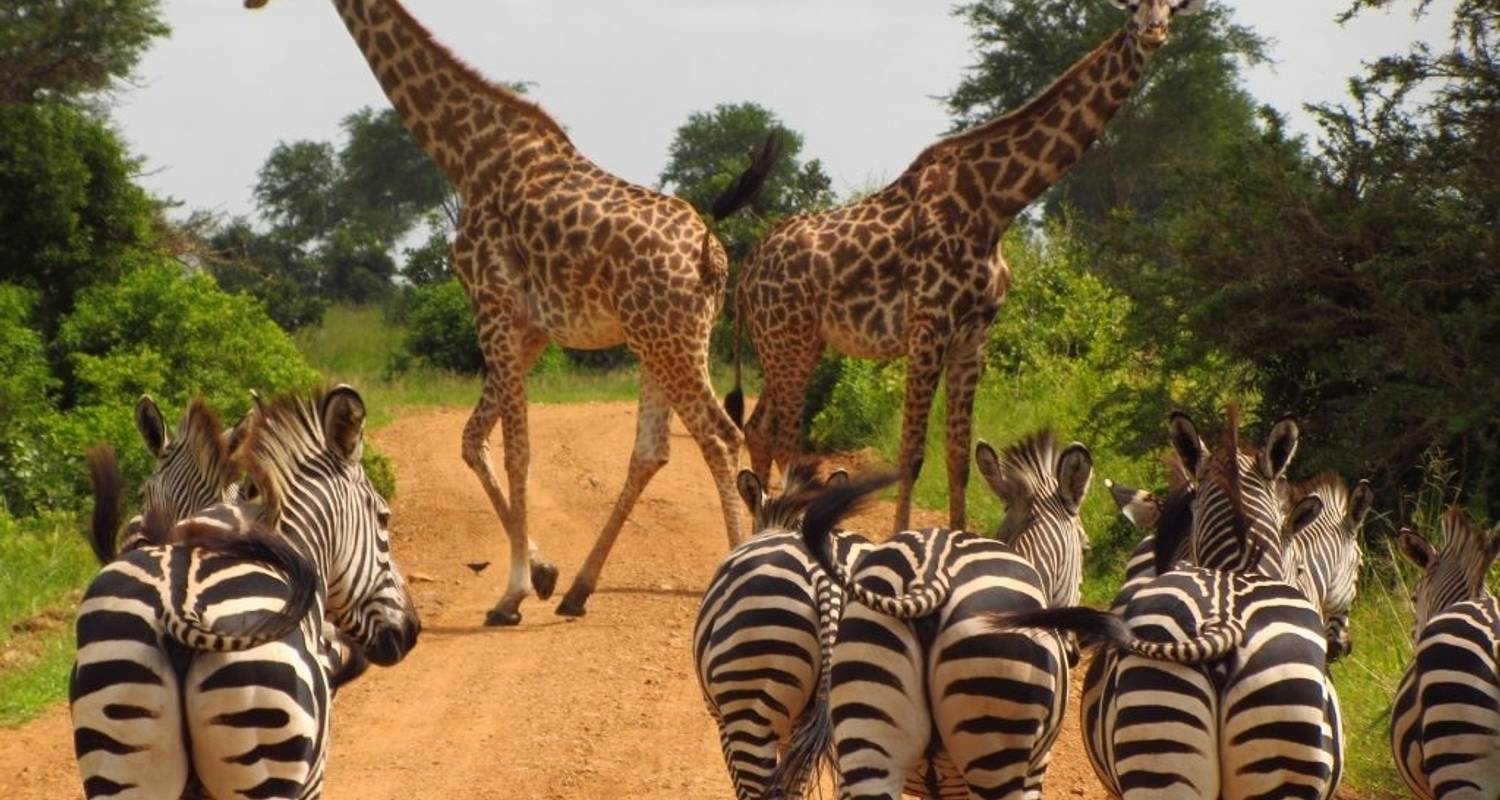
[1360,502]
[989,467]
[1137,505]
[837,478]
[1187,444]
[344,421]
[1304,514]
[750,491]
[1281,445]
[1074,471]
[1417,550]
[152,427]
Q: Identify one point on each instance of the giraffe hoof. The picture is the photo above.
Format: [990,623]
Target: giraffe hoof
[573,603]
[543,579]
[498,618]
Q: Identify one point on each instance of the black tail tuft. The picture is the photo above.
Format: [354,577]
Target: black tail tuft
[734,406]
[104,527]
[809,752]
[752,181]
[834,505]
[1091,626]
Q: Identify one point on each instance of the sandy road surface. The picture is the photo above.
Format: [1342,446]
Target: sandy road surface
[604,707]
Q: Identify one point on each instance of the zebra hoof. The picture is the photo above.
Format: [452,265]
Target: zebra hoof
[572,605]
[500,618]
[543,579]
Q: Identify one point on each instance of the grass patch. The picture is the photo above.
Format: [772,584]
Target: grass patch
[42,562]
[1367,681]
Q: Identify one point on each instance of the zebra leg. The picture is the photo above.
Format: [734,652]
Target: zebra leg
[965,362]
[258,720]
[1163,732]
[881,722]
[652,448]
[124,700]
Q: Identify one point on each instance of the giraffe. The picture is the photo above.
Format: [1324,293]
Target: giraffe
[550,247]
[915,269]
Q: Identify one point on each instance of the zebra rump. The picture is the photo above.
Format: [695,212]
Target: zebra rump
[1214,640]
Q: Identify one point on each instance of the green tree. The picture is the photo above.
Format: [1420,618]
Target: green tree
[67,49]
[297,190]
[712,148]
[355,265]
[432,261]
[271,268]
[26,391]
[69,214]
[387,181]
[1188,106]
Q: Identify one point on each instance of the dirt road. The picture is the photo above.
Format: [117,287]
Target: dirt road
[604,708]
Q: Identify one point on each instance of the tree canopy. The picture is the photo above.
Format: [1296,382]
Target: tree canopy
[69,49]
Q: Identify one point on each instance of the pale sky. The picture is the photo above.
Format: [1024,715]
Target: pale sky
[858,78]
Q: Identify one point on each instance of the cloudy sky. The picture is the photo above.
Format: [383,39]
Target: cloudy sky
[857,77]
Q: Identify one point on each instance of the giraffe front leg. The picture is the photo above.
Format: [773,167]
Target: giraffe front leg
[509,351]
[924,366]
[652,449]
[965,364]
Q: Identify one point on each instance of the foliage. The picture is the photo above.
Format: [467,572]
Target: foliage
[1189,103]
[68,49]
[387,182]
[26,389]
[431,261]
[355,265]
[380,470]
[865,399]
[295,190]
[269,266]
[1362,280]
[441,330]
[69,215]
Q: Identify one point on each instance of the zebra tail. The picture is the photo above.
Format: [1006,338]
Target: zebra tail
[810,751]
[261,544]
[1215,639]
[833,506]
[104,525]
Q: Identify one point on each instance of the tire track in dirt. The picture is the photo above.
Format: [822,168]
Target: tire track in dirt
[603,707]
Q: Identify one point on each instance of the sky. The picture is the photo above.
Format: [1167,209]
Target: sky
[859,78]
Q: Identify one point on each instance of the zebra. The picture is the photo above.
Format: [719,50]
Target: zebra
[1325,554]
[204,661]
[1445,723]
[763,632]
[924,697]
[1213,682]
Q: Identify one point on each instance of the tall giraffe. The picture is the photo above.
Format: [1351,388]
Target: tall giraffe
[915,270]
[550,247]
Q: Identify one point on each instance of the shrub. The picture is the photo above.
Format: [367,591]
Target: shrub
[380,470]
[441,330]
[865,400]
[26,386]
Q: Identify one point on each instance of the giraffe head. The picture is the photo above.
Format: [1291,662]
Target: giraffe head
[254,4]
[1149,19]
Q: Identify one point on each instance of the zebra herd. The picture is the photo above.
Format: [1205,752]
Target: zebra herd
[213,638]
[936,663]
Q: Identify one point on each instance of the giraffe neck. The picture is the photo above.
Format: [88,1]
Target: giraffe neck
[473,129]
[1019,155]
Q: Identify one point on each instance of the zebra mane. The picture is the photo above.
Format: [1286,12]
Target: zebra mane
[284,433]
[202,431]
[784,512]
[1232,483]
[1032,463]
[1173,526]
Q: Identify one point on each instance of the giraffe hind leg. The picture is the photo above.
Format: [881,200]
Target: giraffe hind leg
[652,449]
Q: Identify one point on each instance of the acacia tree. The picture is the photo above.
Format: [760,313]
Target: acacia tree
[68,49]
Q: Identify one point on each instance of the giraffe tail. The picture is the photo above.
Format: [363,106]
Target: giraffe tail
[750,183]
[1215,638]
[734,402]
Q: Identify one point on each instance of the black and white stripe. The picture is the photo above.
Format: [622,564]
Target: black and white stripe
[187,677]
[1327,554]
[1445,724]
[924,696]
[764,630]
[1249,716]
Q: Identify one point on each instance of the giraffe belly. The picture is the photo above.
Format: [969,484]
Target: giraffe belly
[879,335]
[586,326]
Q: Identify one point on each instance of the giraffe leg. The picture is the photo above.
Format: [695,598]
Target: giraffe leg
[924,366]
[652,448]
[509,354]
[965,363]
[775,436]
[710,427]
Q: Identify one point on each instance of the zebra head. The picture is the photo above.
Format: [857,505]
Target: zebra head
[1239,507]
[1327,553]
[799,488]
[303,456]
[1043,490]
[1454,573]
[193,470]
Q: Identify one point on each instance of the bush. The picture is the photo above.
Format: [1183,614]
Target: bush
[865,400]
[26,386]
[441,331]
[380,470]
